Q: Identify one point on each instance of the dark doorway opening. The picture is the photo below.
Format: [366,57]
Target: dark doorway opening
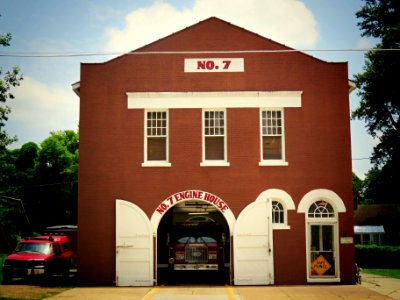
[193,245]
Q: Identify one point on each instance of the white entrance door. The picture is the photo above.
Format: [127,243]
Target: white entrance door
[134,246]
[253,248]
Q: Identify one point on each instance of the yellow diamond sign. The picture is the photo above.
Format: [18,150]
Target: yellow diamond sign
[320,265]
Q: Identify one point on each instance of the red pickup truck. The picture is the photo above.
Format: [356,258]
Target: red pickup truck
[45,254]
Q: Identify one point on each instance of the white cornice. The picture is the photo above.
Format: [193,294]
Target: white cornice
[243,99]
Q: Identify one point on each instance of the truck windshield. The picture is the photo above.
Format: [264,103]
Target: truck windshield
[42,248]
[192,239]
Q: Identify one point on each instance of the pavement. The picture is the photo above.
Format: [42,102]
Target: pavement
[372,287]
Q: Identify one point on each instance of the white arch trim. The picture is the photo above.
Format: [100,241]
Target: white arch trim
[187,195]
[280,194]
[318,194]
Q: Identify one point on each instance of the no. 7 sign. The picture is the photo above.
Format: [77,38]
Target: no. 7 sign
[214,65]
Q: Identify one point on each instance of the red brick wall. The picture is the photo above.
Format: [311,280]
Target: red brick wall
[317,139]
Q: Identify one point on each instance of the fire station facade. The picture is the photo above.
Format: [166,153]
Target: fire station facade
[215,123]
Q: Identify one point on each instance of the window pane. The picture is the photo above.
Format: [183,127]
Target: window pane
[321,209]
[156,148]
[327,235]
[272,147]
[277,212]
[322,250]
[214,131]
[214,148]
[315,238]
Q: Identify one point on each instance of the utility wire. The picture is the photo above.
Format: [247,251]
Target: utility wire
[71,55]
[363,158]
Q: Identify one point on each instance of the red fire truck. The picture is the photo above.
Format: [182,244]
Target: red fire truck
[196,246]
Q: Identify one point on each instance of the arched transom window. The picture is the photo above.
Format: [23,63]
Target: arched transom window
[321,209]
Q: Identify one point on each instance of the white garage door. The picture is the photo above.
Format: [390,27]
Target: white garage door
[253,249]
[134,246]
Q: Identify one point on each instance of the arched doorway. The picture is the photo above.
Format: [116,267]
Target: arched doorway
[193,239]
[321,208]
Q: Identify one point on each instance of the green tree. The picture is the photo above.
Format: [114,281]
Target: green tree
[357,190]
[13,219]
[379,89]
[8,80]
[45,179]
[373,186]
[57,173]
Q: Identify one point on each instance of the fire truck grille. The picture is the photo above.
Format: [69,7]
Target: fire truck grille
[196,254]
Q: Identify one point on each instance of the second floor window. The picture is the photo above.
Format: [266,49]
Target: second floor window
[214,135]
[156,136]
[272,135]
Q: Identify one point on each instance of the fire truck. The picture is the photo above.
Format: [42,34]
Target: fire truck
[196,246]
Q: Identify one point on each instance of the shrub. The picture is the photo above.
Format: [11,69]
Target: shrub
[374,256]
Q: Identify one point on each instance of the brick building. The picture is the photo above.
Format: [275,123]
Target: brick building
[215,123]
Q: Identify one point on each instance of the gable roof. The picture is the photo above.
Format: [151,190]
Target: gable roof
[213,34]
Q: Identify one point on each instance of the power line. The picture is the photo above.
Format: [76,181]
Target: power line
[72,55]
[363,158]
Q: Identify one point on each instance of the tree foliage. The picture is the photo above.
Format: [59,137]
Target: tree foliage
[45,178]
[357,190]
[379,89]
[8,81]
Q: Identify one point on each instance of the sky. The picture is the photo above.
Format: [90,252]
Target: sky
[52,38]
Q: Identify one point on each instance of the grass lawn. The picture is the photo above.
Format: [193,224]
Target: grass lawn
[394,273]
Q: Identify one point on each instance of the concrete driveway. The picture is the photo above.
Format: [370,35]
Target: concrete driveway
[373,287]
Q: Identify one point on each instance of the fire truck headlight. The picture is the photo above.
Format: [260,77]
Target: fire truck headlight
[212,256]
[180,256]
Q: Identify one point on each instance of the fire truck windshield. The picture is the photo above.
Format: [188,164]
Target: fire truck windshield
[191,239]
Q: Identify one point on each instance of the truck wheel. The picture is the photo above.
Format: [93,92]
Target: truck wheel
[7,278]
[65,273]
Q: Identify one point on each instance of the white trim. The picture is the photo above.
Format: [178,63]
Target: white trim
[272,162]
[318,194]
[285,199]
[278,194]
[76,87]
[323,280]
[214,163]
[323,221]
[338,205]
[277,226]
[248,99]
[156,164]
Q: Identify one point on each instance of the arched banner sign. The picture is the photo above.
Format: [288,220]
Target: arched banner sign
[187,195]
[192,195]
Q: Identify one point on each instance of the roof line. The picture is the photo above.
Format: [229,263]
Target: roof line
[28,55]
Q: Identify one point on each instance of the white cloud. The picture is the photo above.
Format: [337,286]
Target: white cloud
[285,21]
[364,43]
[39,108]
